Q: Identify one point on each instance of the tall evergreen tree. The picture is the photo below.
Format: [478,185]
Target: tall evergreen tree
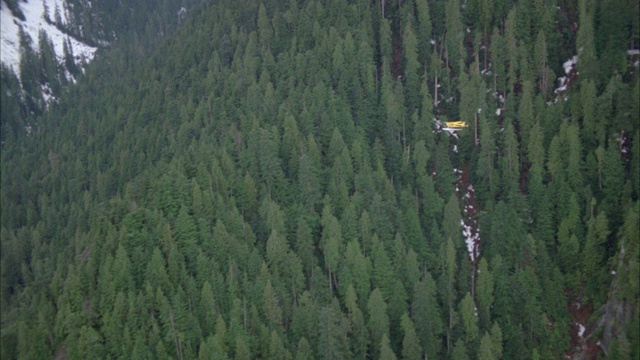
[585,47]
[456,54]
[411,348]
[378,323]
[411,68]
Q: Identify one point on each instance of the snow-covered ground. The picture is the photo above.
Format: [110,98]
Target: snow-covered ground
[568,66]
[471,235]
[34,15]
[468,222]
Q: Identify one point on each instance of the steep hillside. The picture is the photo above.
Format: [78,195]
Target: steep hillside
[37,18]
[47,43]
[272,181]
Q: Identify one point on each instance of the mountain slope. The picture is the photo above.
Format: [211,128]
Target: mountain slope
[36,21]
[267,182]
[46,45]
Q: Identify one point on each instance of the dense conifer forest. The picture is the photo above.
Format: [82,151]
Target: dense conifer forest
[273,180]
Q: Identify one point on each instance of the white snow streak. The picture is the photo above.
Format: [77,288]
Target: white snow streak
[34,15]
[568,65]
[471,239]
[564,80]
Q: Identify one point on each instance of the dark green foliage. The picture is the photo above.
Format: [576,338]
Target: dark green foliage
[268,182]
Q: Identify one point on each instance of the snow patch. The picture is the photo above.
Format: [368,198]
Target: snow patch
[34,15]
[568,65]
[470,240]
[46,93]
[564,80]
[471,237]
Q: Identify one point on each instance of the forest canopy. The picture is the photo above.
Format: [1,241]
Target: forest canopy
[273,180]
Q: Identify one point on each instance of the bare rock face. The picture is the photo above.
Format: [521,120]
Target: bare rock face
[615,314]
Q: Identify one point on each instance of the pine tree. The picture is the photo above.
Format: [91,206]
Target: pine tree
[510,161]
[156,273]
[305,318]
[486,161]
[541,63]
[332,329]
[358,329]
[277,349]
[386,353]
[592,256]
[411,348]
[585,47]
[303,351]
[90,342]
[426,315]
[425,29]
[444,176]
[272,308]
[186,236]
[395,120]
[452,219]
[360,268]
[292,147]
[496,340]
[331,242]
[459,352]
[484,293]
[486,20]
[309,182]
[423,128]
[469,317]
[383,271]
[242,351]
[121,271]
[448,253]
[411,68]
[511,45]
[378,323]
[613,182]
[456,54]
[207,313]
[498,56]
[525,111]
[486,351]
[277,251]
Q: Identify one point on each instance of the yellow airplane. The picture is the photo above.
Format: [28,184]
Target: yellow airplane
[456,124]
